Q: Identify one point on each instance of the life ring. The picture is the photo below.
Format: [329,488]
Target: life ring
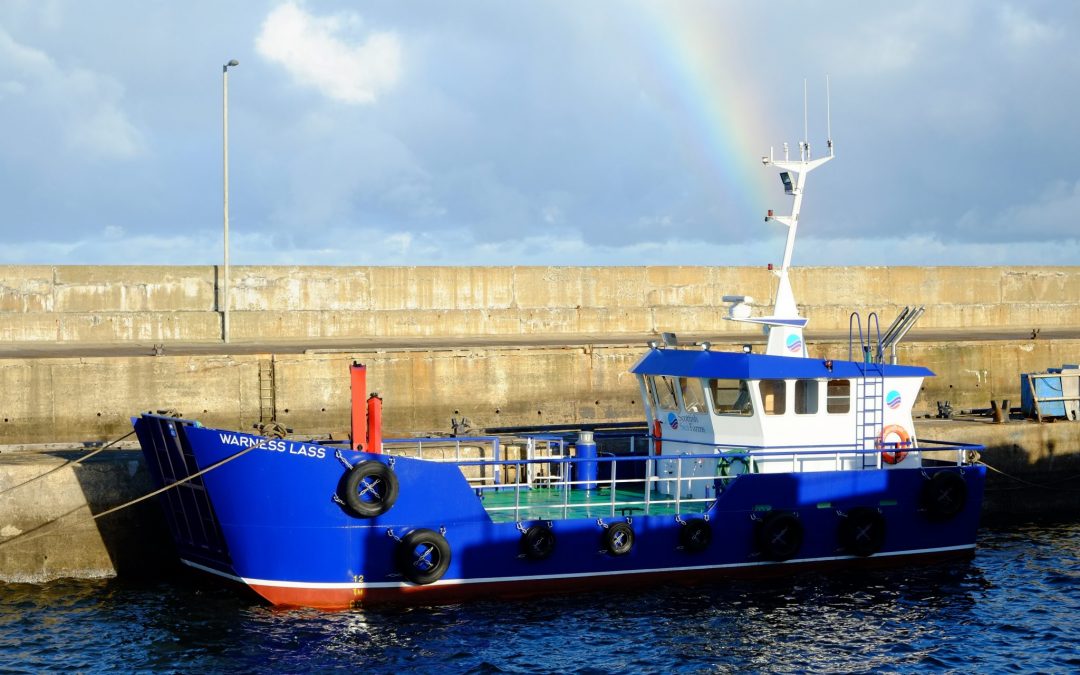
[538,542]
[423,556]
[618,538]
[893,452]
[695,536]
[944,495]
[862,531]
[779,535]
[724,467]
[370,488]
[658,444]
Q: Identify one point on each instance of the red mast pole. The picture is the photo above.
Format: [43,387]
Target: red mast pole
[358,375]
[374,406]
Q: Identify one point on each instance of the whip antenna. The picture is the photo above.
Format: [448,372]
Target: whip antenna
[805,126]
[828,116]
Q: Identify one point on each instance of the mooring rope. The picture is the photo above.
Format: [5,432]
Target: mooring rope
[34,533]
[1045,486]
[70,462]
[193,476]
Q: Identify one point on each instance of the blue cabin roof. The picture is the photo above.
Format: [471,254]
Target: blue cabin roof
[742,366]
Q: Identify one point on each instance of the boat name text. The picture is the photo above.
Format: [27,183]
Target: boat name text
[275,445]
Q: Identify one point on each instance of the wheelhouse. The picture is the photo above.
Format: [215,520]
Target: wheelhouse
[759,404]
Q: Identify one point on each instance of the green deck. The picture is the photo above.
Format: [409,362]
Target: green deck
[564,504]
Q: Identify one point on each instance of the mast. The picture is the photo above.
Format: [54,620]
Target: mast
[785,327]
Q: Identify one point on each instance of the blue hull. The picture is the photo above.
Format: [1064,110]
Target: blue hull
[270,517]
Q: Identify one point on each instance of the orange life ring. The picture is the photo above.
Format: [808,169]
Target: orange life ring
[657,443]
[893,452]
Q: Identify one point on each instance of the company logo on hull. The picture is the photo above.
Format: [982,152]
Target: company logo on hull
[892,399]
[794,344]
[673,420]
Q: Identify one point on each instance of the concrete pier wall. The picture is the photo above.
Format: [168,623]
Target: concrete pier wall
[46,399]
[105,304]
[91,398]
[47,526]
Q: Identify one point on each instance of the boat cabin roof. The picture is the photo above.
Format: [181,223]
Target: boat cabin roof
[744,366]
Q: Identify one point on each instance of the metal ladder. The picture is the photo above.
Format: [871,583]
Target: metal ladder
[869,389]
[267,390]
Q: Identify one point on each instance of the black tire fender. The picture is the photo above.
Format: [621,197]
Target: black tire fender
[423,556]
[779,535]
[695,535]
[944,495]
[369,489]
[618,538]
[538,542]
[862,531]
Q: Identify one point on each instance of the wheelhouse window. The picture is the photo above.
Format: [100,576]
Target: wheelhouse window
[806,397]
[665,392]
[650,390]
[693,396]
[838,396]
[773,396]
[731,397]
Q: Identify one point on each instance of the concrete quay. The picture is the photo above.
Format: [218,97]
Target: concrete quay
[47,529]
[76,397]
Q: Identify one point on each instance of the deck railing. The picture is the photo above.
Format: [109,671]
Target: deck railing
[487,452]
[545,482]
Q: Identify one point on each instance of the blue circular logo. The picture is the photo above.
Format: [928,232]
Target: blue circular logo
[892,399]
[794,344]
[673,420]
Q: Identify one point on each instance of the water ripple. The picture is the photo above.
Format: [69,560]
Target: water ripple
[1012,608]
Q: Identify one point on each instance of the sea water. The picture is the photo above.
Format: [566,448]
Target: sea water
[1014,607]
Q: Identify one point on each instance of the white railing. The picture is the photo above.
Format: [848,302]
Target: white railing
[546,485]
[487,452]
[613,496]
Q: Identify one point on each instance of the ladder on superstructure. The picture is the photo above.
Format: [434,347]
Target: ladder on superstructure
[870,388]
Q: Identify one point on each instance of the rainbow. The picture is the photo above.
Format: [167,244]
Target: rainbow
[724,109]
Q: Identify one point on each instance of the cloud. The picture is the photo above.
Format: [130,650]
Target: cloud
[85,104]
[1022,30]
[317,53]
[1049,217]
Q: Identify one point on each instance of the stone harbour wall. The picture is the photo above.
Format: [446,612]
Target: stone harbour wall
[106,304]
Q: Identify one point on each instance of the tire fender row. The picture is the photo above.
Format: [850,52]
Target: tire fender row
[370,488]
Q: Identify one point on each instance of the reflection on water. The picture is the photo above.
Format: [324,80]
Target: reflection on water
[1013,607]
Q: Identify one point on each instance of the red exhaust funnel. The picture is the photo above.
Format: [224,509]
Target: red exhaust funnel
[358,375]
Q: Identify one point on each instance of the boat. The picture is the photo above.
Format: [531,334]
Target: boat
[746,465]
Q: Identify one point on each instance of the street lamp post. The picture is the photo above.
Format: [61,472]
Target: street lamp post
[225,158]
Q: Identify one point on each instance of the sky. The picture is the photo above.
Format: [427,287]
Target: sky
[537,133]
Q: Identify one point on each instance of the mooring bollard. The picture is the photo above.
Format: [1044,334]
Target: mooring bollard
[1000,413]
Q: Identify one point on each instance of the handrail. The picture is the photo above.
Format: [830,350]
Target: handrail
[855,319]
[876,356]
[756,455]
[756,450]
[629,494]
